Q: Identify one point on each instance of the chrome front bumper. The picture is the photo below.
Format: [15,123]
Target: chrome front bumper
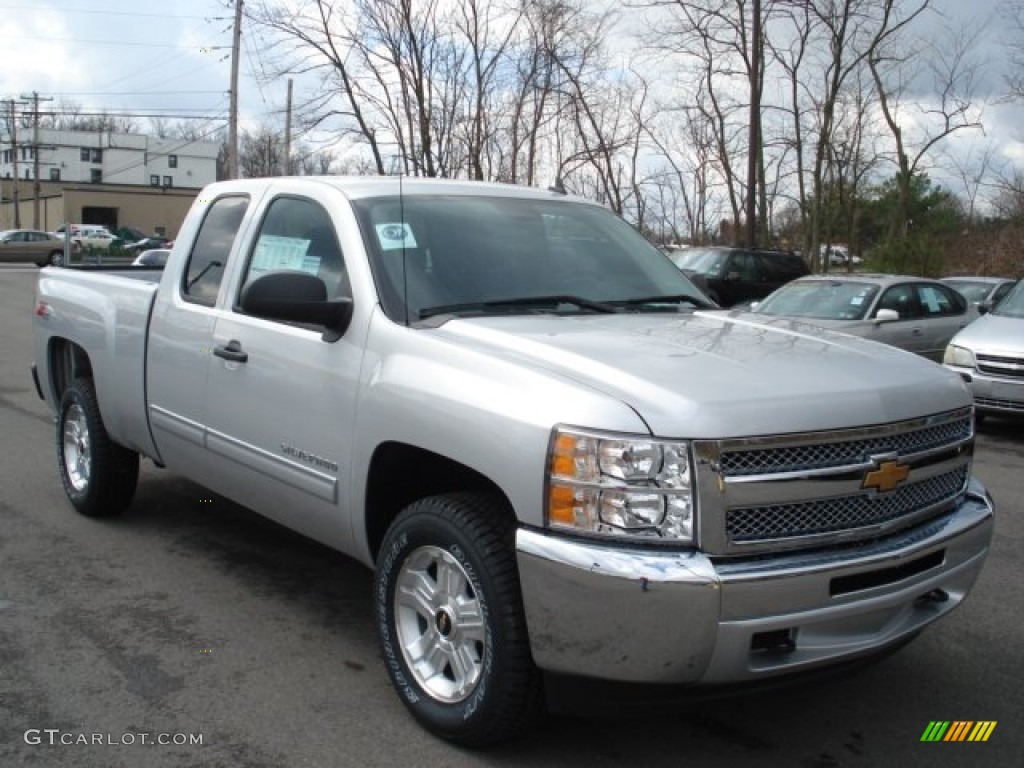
[639,615]
[991,394]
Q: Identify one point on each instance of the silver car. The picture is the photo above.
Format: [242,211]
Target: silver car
[982,292]
[913,313]
[989,355]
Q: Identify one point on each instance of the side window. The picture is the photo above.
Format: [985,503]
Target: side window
[747,265]
[939,300]
[297,234]
[777,269]
[210,251]
[795,266]
[902,298]
[1001,291]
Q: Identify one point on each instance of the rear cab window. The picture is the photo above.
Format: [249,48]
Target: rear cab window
[204,271]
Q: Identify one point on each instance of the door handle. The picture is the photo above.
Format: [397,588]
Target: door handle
[232,351]
[917,331]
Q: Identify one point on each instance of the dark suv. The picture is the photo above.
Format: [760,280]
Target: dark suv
[732,276]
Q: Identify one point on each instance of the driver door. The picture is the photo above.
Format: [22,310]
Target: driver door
[282,399]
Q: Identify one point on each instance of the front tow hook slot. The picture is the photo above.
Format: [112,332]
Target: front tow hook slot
[935,596]
[779,641]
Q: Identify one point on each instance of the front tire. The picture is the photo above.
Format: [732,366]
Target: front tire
[56,259]
[99,476]
[451,621]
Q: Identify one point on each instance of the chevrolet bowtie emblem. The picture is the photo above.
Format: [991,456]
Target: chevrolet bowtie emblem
[888,475]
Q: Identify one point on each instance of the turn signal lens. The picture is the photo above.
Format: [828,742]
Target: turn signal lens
[615,485]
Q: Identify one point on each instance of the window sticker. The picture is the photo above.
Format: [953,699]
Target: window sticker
[857,301]
[394,235]
[275,252]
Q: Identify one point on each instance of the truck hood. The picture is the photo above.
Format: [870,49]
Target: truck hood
[693,376]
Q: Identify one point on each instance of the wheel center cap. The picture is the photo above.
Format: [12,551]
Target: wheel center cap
[443,622]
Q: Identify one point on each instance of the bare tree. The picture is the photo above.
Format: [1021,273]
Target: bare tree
[261,153]
[951,70]
[316,38]
[1012,16]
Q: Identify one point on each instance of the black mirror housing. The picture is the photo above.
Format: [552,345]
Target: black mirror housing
[297,297]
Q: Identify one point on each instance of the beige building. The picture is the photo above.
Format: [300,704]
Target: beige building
[49,177]
[154,210]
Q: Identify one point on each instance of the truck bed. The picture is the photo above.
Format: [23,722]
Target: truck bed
[106,310]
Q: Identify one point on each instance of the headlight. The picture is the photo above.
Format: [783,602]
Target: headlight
[958,356]
[614,485]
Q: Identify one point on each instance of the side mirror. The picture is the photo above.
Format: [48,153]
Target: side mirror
[985,307]
[297,297]
[886,316]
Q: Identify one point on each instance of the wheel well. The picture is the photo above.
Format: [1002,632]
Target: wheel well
[400,474]
[68,361]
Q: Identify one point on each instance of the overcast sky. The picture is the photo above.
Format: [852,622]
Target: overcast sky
[131,56]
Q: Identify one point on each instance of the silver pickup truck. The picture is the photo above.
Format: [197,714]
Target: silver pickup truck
[511,406]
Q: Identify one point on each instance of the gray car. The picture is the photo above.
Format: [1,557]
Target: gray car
[913,313]
[989,355]
[982,292]
[41,248]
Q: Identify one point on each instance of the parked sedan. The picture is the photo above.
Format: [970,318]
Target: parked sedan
[913,313]
[982,292]
[31,245]
[155,257]
[989,355]
[99,239]
[147,243]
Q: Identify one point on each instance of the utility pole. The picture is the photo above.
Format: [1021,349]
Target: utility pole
[14,156]
[236,48]
[288,132]
[36,188]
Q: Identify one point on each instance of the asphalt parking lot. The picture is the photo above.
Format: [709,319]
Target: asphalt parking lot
[192,620]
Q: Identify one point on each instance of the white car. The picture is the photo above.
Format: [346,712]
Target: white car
[98,237]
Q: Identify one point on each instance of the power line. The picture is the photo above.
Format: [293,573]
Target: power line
[135,93]
[110,13]
[123,43]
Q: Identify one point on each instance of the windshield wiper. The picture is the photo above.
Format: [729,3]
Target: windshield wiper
[678,298]
[551,302]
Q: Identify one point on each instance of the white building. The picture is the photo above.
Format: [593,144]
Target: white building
[108,158]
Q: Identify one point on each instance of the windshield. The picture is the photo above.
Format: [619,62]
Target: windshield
[1012,305]
[455,254]
[704,261]
[970,290]
[820,299]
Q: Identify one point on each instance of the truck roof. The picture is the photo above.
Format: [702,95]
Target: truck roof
[355,187]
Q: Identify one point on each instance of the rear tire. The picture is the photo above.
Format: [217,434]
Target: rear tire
[99,476]
[451,621]
[56,259]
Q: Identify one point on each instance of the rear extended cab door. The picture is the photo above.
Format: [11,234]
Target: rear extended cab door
[181,328]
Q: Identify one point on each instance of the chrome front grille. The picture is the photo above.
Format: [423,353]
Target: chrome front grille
[784,521]
[763,461]
[995,365]
[815,489]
